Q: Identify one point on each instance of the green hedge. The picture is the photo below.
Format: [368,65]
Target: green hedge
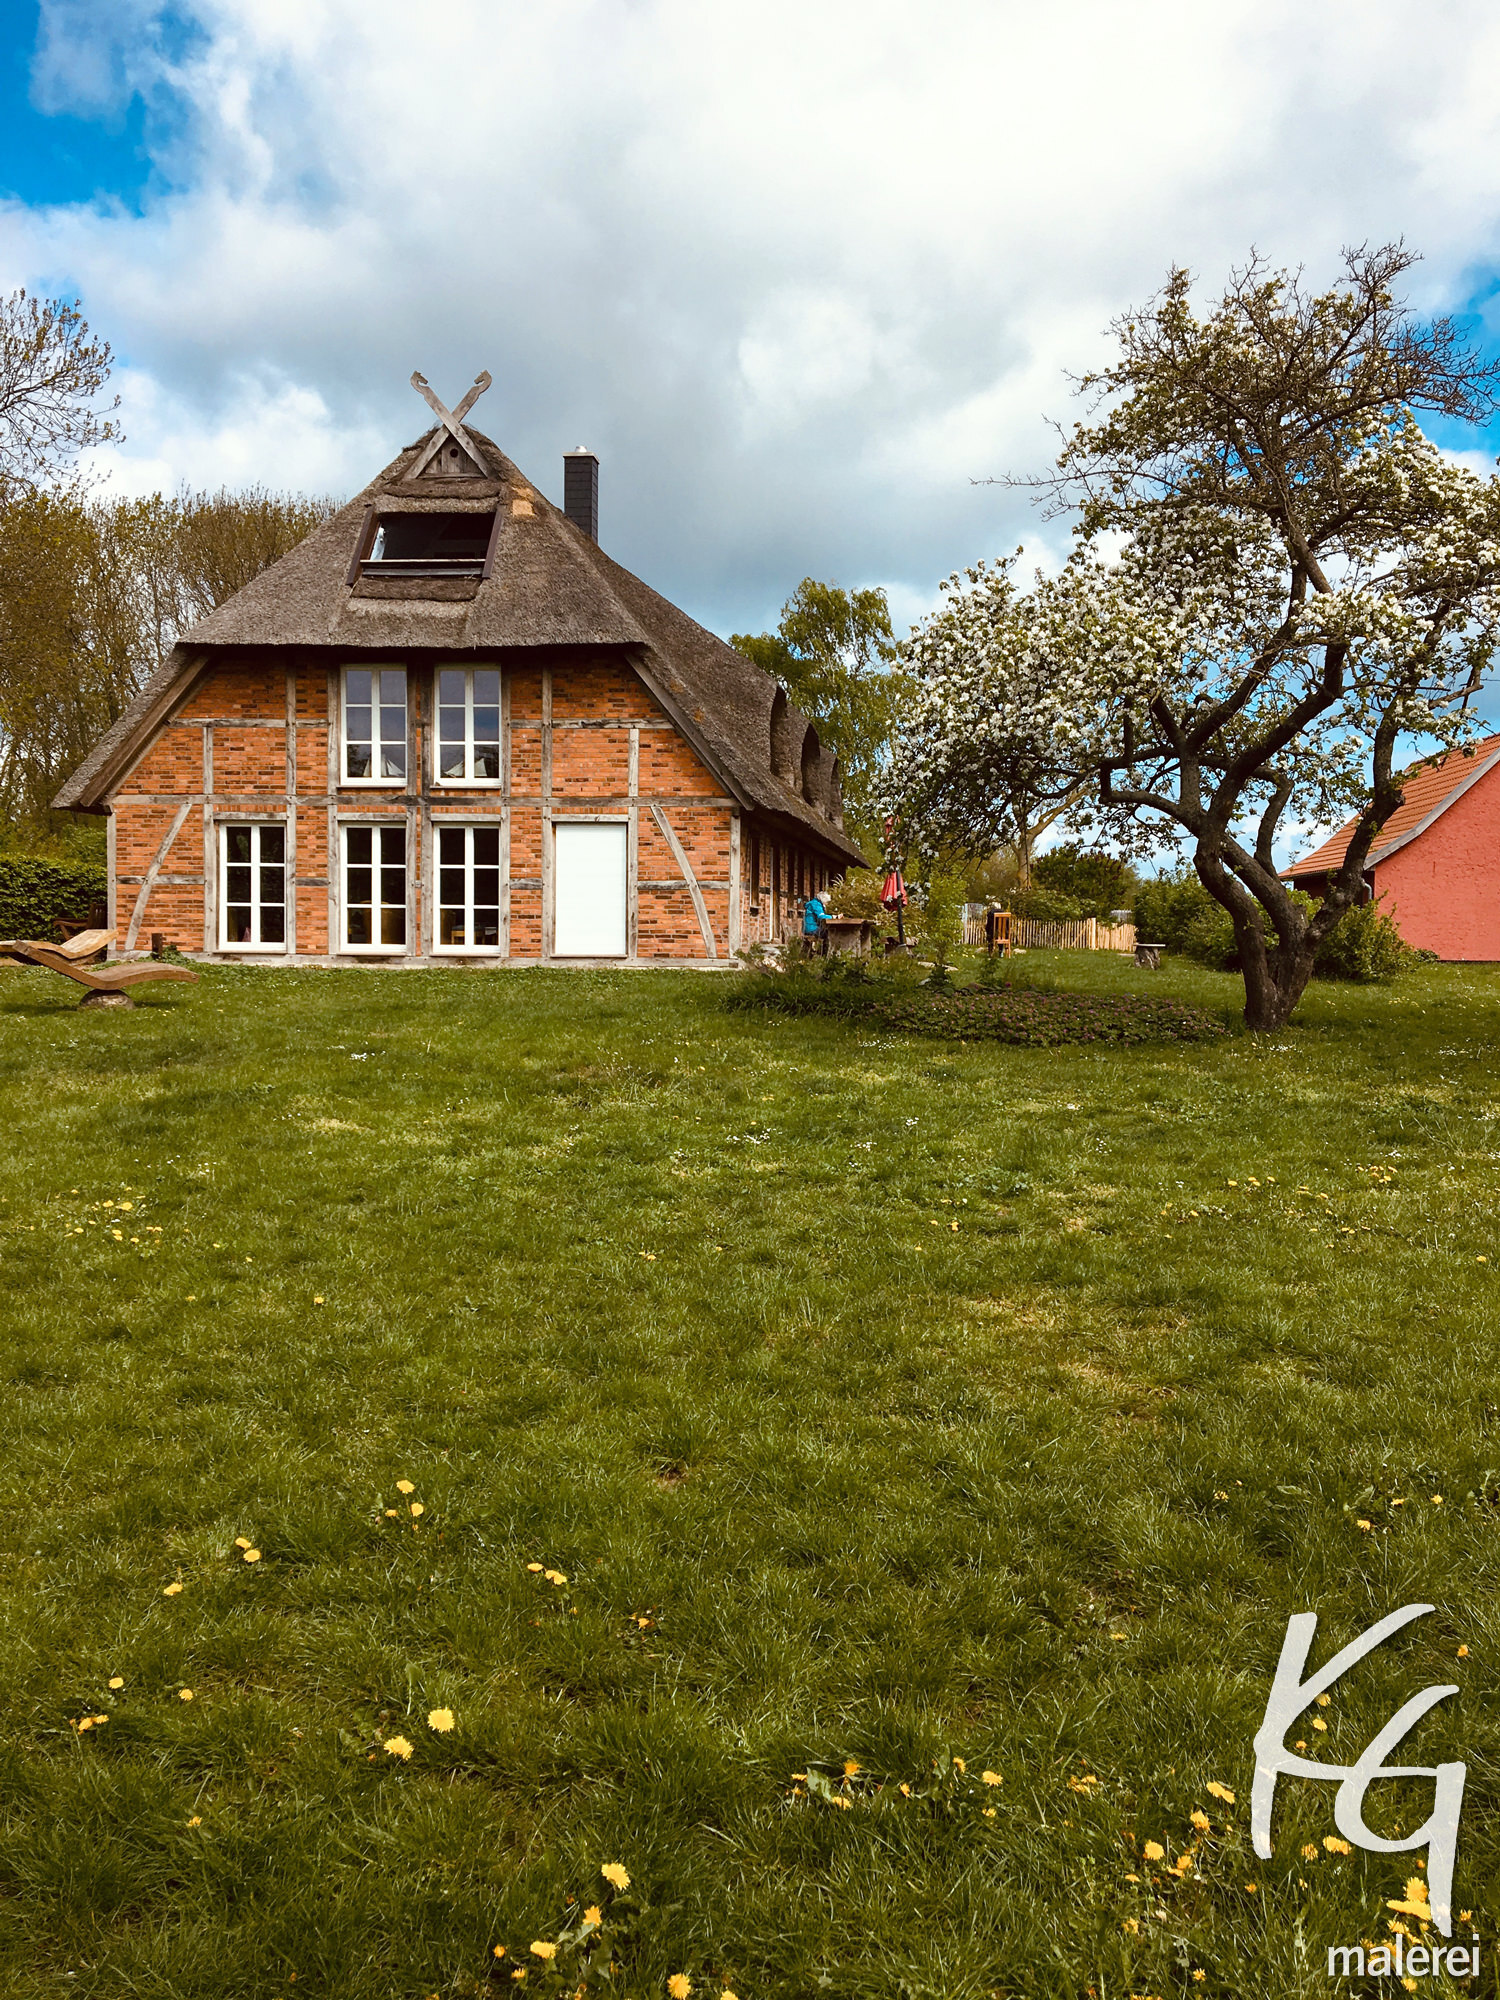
[1364,945]
[35,895]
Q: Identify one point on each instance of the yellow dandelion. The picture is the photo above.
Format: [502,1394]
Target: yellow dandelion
[1324,1700]
[1463,1652]
[405,1486]
[1199,1820]
[593,1915]
[251,1556]
[541,1949]
[440,1719]
[417,1509]
[1310,1852]
[989,1812]
[1217,1791]
[1251,1888]
[679,1986]
[242,1541]
[1199,1975]
[1336,1846]
[499,1951]
[391,1514]
[727,1995]
[1132,1925]
[184,1694]
[960,1765]
[615,1875]
[317,1298]
[851,1767]
[172,1590]
[1154,1851]
[990,1777]
[86,1723]
[535,1568]
[117,1681]
[1319,1723]
[397,1746]
[196,1820]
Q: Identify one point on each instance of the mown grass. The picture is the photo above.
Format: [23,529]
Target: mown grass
[930,1402]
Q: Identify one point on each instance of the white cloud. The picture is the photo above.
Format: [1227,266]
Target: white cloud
[799,272]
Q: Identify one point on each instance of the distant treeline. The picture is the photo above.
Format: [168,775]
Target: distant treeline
[93,594]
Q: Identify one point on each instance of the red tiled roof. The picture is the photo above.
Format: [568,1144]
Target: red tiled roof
[1428,787]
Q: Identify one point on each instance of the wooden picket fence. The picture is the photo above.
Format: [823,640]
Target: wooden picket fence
[1029,934]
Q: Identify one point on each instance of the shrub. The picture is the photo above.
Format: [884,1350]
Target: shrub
[35,894]
[1097,882]
[1364,945]
[1048,906]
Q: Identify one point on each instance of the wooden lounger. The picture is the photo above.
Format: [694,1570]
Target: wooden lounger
[107,986]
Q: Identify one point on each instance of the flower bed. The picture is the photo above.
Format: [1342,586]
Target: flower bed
[1019,1015]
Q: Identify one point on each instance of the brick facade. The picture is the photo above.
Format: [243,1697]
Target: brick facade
[258,742]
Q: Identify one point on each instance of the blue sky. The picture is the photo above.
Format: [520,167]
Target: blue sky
[57,155]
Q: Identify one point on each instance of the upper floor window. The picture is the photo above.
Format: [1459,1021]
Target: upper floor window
[375,725]
[468,706]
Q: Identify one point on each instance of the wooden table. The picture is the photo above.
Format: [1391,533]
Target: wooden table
[847,937]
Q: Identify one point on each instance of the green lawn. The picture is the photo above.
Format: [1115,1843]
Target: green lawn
[884,1404]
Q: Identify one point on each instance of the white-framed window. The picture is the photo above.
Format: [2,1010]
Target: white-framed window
[374,905]
[252,886]
[374,725]
[468,888]
[468,731]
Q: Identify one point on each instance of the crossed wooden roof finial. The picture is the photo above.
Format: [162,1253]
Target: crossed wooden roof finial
[450,423]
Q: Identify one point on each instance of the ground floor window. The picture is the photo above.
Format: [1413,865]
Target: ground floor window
[375,888]
[252,896]
[589,909]
[468,898]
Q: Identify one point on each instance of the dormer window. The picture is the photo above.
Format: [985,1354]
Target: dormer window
[432,544]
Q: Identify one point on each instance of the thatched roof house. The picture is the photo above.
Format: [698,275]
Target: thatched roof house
[451,684]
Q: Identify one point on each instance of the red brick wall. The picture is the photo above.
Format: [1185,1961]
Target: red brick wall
[238,712]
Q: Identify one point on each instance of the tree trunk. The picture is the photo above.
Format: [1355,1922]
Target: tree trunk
[1274,980]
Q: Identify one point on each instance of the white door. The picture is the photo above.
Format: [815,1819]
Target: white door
[589,895]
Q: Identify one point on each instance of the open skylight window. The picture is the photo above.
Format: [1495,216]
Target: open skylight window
[431,545]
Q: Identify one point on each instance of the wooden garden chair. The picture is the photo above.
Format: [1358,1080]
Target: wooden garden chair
[107,985]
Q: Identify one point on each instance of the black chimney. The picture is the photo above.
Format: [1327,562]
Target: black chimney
[581,491]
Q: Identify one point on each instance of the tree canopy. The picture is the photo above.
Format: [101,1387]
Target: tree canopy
[1277,577]
[93,595]
[52,372]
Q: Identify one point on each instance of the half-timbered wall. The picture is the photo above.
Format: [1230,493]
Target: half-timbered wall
[581,740]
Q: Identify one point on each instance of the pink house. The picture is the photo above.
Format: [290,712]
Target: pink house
[1436,862]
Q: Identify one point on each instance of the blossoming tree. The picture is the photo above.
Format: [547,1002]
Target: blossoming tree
[1277,578]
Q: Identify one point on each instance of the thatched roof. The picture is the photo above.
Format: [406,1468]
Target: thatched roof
[550,586]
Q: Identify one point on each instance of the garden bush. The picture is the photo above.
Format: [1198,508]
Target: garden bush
[35,895]
[1048,906]
[1364,945]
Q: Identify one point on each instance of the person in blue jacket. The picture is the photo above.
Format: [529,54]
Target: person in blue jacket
[814,917]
